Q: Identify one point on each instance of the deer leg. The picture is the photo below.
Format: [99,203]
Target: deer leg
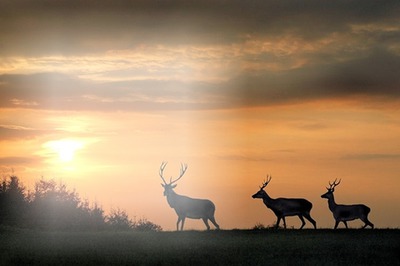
[365,225]
[277,222]
[212,219]
[302,221]
[205,220]
[284,222]
[308,217]
[336,224]
[367,222]
[371,224]
[183,222]
[345,223]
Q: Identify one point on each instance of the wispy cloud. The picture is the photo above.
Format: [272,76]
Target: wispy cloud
[372,156]
[8,132]
[244,158]
[4,161]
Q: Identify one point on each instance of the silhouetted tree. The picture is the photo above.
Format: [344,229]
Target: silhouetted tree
[93,217]
[119,220]
[51,206]
[13,203]
[54,207]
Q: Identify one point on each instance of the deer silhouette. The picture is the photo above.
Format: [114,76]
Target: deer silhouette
[283,207]
[186,207]
[344,213]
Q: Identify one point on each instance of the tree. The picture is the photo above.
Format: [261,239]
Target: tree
[92,218]
[51,206]
[13,203]
[119,220]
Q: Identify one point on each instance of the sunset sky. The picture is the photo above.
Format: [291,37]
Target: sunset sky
[97,94]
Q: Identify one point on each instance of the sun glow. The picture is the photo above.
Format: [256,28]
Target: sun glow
[65,148]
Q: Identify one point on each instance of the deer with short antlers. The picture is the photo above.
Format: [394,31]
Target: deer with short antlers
[344,213]
[184,206]
[283,207]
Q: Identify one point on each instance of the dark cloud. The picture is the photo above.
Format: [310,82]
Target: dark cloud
[367,65]
[79,27]
[374,75]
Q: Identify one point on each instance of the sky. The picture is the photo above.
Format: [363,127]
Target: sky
[97,94]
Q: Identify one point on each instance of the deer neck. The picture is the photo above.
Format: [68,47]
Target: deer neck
[172,198]
[331,202]
[268,200]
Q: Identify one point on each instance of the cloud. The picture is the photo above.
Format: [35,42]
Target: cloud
[374,75]
[372,156]
[12,132]
[81,27]
[178,55]
[244,157]
[7,161]
[62,92]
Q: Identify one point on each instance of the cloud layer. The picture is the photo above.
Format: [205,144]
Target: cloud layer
[98,55]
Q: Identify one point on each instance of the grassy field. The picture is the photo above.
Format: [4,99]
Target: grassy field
[235,247]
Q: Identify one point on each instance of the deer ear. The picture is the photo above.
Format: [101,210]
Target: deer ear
[174,186]
[162,185]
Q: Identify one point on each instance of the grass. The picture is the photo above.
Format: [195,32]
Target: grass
[234,247]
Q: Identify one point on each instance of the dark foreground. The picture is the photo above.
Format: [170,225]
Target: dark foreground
[237,247]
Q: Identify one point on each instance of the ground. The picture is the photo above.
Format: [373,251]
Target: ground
[231,247]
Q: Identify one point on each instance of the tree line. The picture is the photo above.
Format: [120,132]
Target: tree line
[52,206]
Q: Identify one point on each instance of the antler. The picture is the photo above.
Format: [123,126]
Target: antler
[183,170]
[163,164]
[334,184]
[265,183]
[162,167]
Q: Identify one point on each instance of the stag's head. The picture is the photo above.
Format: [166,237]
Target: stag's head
[168,187]
[330,189]
[261,193]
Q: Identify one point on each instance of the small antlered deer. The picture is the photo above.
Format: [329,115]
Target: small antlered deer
[283,207]
[344,213]
[186,207]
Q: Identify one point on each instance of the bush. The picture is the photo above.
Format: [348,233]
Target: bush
[260,226]
[143,225]
[119,220]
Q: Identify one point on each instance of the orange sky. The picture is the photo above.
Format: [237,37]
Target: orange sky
[98,95]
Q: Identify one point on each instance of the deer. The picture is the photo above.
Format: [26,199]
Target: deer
[186,207]
[283,207]
[344,213]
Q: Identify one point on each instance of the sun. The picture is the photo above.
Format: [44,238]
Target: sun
[65,148]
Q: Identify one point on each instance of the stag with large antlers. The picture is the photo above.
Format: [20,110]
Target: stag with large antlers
[344,213]
[283,207]
[186,207]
